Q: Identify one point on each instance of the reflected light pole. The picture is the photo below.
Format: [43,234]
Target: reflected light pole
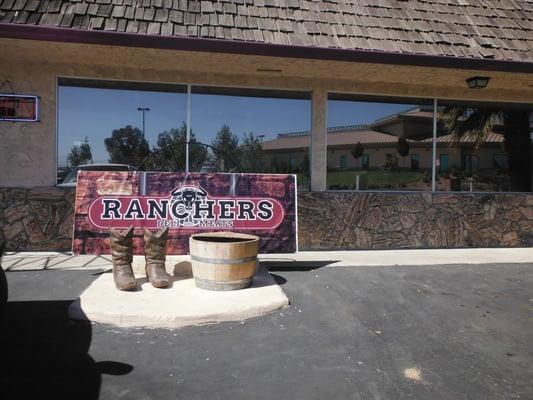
[143,109]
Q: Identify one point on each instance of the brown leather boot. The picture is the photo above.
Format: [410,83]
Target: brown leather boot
[155,251]
[121,244]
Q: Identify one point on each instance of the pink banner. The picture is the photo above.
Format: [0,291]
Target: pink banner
[259,204]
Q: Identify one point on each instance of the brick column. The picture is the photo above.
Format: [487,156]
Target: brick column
[319,112]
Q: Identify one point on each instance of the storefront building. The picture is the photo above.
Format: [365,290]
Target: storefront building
[408,123]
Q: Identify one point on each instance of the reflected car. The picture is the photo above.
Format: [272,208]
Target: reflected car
[71,179]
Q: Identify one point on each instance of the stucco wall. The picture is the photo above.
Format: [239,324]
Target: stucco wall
[27,149]
[41,219]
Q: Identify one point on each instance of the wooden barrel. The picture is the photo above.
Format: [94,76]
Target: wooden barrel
[223,260]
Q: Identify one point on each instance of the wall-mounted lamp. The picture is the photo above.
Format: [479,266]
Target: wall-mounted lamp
[478,82]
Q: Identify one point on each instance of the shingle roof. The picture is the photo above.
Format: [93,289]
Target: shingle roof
[365,137]
[478,29]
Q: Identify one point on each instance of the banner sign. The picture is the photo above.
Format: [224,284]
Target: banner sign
[258,204]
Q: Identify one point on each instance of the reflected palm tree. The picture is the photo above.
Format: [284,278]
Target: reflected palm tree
[513,124]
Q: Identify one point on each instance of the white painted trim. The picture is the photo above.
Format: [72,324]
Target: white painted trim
[188,133]
[434,149]
[56,142]
[296,208]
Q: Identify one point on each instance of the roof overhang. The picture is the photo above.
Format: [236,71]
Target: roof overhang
[68,35]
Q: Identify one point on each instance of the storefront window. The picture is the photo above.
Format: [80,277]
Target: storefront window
[121,123]
[372,143]
[144,126]
[487,147]
[253,130]
[381,145]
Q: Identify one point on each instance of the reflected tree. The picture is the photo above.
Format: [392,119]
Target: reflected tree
[403,149]
[357,151]
[512,123]
[74,156]
[81,154]
[226,148]
[251,151]
[127,146]
[305,163]
[171,148]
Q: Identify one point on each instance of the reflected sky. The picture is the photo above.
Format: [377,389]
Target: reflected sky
[342,112]
[95,113]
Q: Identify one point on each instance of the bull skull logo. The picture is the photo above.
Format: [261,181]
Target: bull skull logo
[187,195]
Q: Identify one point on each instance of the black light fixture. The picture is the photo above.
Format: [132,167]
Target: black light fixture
[478,82]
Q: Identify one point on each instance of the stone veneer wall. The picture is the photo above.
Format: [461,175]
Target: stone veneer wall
[40,219]
[337,220]
[37,219]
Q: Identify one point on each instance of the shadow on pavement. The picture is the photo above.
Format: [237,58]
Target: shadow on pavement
[291,265]
[279,279]
[44,355]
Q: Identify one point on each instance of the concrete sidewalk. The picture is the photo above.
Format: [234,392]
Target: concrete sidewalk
[53,260]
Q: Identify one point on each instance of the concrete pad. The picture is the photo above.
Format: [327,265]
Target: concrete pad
[181,305]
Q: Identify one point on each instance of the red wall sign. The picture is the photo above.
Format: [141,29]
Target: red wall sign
[15,107]
[264,205]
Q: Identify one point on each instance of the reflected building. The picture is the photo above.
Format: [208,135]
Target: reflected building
[379,141]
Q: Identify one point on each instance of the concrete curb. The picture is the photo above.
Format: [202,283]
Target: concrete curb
[350,258]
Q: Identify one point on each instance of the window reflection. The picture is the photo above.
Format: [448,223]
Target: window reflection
[249,130]
[382,145]
[372,144]
[143,126]
[487,148]
[99,123]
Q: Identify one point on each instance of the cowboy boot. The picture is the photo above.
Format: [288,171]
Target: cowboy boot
[155,250]
[122,255]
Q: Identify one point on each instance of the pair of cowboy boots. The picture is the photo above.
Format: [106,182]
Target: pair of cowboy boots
[155,250]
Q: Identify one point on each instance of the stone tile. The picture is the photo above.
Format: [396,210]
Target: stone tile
[16,212]
[527,212]
[412,220]
[11,231]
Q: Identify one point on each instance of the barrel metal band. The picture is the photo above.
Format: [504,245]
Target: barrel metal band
[223,261]
[222,285]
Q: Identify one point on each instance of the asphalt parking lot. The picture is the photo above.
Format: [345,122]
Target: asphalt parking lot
[410,332]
